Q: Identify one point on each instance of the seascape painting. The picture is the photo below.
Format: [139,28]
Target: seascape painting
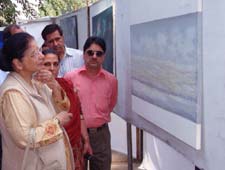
[165,57]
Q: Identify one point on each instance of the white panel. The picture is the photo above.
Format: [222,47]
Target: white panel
[148,10]
[122,41]
[160,156]
[35,28]
[172,123]
[82,26]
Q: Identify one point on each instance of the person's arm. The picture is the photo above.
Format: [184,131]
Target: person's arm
[85,137]
[114,95]
[60,99]
[19,120]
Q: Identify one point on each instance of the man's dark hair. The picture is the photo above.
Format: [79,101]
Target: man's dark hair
[7,31]
[94,40]
[50,29]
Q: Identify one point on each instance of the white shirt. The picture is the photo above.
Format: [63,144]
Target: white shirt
[72,59]
[2,76]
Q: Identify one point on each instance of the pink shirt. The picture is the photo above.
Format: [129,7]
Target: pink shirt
[98,95]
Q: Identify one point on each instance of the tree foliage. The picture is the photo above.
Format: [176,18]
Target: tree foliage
[9,11]
[29,8]
[58,7]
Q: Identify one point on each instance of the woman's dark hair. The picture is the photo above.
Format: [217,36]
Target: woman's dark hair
[94,40]
[50,51]
[13,48]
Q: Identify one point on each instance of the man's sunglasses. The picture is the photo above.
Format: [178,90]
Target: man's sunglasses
[97,53]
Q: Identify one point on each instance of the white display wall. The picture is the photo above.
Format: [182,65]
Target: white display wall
[35,28]
[162,150]
[137,111]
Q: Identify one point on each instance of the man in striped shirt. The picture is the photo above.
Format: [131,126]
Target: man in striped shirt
[69,58]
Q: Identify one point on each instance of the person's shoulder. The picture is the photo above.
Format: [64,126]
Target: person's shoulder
[73,51]
[108,74]
[65,82]
[72,73]
[2,76]
[9,85]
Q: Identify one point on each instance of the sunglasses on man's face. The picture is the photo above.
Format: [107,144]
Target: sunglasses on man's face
[97,53]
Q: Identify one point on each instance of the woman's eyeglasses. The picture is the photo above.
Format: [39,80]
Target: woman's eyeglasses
[91,53]
[36,53]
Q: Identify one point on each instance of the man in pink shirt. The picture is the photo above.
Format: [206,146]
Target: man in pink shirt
[97,89]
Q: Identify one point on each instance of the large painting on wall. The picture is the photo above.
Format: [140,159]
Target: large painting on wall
[69,27]
[166,74]
[102,25]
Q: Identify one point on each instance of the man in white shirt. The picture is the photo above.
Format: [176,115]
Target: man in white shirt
[69,58]
[2,76]
[8,32]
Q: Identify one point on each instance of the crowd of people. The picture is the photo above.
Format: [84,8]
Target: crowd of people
[55,102]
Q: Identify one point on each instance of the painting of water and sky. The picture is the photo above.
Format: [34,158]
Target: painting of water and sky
[164,63]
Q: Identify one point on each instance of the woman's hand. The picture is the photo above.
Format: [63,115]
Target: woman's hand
[64,117]
[58,94]
[48,78]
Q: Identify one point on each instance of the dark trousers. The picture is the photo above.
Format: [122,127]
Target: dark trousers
[100,141]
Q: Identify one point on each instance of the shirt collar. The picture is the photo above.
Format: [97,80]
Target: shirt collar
[68,52]
[84,70]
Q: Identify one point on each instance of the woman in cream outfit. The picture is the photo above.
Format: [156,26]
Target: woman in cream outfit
[27,113]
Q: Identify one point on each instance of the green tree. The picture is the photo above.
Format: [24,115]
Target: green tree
[9,12]
[30,9]
[58,7]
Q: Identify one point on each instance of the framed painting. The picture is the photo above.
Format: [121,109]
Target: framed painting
[166,75]
[69,27]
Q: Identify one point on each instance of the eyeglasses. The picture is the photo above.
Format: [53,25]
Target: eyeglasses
[36,53]
[90,53]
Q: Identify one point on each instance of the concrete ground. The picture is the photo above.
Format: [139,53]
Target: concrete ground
[123,166]
[119,162]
